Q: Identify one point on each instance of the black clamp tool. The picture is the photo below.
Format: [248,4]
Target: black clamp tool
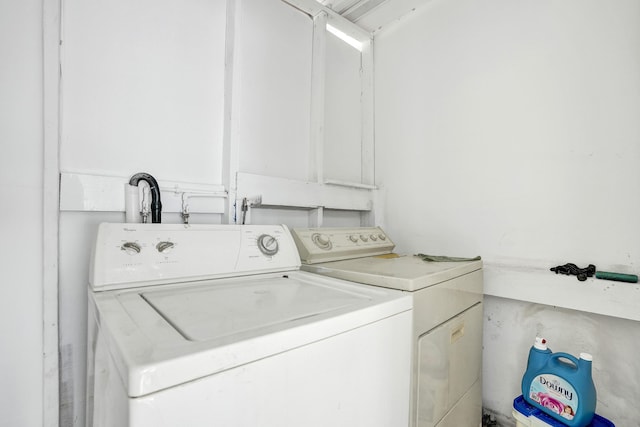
[581,273]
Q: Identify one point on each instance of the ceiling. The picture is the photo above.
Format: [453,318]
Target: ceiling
[373,15]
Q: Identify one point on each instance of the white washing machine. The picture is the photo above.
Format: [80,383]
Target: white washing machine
[446,389]
[214,325]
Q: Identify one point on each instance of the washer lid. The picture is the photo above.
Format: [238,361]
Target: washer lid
[407,273]
[162,336]
[212,312]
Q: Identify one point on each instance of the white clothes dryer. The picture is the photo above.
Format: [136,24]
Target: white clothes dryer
[214,325]
[447,297]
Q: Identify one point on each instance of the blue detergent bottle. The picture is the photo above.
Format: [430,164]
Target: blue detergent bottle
[560,385]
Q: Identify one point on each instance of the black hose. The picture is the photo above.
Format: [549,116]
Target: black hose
[156,204]
[581,273]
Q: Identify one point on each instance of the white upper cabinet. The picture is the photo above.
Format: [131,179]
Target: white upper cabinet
[200,92]
[342,160]
[301,94]
[272,89]
[143,88]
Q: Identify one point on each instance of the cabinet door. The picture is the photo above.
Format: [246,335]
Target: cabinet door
[143,88]
[449,363]
[343,137]
[272,89]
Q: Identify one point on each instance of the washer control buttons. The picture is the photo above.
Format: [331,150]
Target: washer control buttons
[268,244]
[322,241]
[131,248]
[165,246]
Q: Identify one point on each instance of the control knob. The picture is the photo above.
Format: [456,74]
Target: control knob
[322,241]
[131,248]
[268,244]
[165,246]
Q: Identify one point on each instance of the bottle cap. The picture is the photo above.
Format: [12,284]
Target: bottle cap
[540,344]
[586,356]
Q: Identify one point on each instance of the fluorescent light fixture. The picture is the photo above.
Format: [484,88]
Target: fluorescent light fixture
[345,37]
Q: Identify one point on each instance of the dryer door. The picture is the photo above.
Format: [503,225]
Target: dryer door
[449,363]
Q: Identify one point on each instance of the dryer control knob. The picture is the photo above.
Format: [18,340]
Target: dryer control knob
[364,238]
[353,238]
[322,241]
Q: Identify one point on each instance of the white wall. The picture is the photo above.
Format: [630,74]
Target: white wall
[510,130]
[519,122]
[21,138]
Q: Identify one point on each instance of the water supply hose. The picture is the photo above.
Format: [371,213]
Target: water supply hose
[581,273]
[156,204]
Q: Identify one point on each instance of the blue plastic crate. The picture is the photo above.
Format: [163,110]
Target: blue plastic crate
[520,405]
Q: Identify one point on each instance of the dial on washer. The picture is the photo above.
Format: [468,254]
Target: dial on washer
[131,248]
[268,244]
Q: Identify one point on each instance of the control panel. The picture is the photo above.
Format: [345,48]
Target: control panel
[317,245]
[130,255]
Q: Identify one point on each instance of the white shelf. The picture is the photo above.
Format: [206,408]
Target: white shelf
[87,192]
[541,286]
[275,191]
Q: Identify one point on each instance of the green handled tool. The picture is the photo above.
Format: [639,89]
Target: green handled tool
[618,277]
[590,271]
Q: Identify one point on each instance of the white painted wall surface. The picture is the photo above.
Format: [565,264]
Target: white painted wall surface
[510,130]
[21,130]
[517,129]
[143,88]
